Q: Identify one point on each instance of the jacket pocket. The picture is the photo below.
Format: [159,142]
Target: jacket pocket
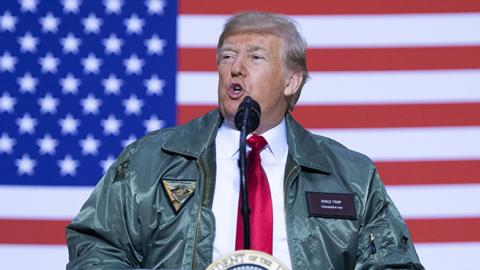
[385,249]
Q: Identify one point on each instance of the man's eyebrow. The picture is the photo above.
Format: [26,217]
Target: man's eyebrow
[227,48]
[253,48]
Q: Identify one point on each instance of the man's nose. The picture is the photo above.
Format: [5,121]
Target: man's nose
[238,67]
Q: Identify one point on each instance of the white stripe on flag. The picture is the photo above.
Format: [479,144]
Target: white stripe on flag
[436,201]
[354,30]
[355,87]
[453,256]
[397,144]
[40,202]
[430,201]
[449,255]
[28,257]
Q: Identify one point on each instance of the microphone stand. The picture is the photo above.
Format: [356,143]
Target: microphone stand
[243,181]
[247,119]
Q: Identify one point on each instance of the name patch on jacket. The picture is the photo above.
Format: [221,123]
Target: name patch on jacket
[331,205]
[179,191]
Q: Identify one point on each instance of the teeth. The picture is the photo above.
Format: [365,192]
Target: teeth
[237,88]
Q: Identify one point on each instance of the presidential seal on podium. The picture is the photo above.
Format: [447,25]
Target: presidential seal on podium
[247,260]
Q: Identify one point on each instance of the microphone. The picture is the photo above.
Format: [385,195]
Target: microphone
[247,120]
[248,115]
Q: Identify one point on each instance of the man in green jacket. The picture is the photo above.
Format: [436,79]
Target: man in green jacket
[170,199]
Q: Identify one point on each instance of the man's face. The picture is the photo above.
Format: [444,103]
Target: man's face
[253,65]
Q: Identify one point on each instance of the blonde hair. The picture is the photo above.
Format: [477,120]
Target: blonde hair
[278,25]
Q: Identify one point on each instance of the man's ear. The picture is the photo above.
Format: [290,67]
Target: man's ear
[293,84]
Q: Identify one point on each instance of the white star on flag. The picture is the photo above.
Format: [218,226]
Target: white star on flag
[134,24]
[133,64]
[133,105]
[68,166]
[26,124]
[71,6]
[91,64]
[153,123]
[25,165]
[155,6]
[69,84]
[47,145]
[155,45]
[92,24]
[69,124]
[28,43]
[70,43]
[49,23]
[48,104]
[90,145]
[112,84]
[8,22]
[6,144]
[28,5]
[113,45]
[90,104]
[7,103]
[7,62]
[105,164]
[113,6]
[27,83]
[49,63]
[111,125]
[129,140]
[154,85]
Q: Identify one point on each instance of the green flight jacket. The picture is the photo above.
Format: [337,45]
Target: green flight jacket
[129,222]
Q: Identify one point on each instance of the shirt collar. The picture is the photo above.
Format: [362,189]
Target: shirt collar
[277,139]
[228,138]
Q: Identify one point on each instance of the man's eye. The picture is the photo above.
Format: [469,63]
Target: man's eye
[226,57]
[257,57]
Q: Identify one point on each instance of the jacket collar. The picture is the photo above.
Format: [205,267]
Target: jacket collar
[195,137]
[304,149]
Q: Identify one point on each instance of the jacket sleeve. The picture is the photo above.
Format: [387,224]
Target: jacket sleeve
[384,239]
[105,233]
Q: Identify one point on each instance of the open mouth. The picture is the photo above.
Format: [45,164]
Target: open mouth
[235,90]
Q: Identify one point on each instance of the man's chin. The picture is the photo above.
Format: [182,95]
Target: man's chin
[227,115]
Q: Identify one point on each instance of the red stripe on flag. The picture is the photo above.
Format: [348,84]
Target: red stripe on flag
[368,116]
[358,59]
[422,230]
[388,115]
[196,59]
[186,113]
[33,231]
[444,230]
[308,7]
[429,172]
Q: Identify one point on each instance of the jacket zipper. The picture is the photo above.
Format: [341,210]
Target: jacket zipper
[373,248]
[197,226]
[294,173]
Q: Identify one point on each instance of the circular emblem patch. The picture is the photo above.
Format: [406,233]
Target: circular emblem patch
[247,260]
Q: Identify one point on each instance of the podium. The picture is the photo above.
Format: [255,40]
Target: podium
[247,260]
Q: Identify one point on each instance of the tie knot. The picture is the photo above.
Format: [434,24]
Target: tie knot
[257,143]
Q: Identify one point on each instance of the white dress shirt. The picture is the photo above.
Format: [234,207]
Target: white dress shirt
[227,186]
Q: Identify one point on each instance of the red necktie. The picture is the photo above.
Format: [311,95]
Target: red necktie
[260,200]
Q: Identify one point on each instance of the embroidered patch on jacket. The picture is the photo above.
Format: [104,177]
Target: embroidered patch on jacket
[331,205]
[179,191]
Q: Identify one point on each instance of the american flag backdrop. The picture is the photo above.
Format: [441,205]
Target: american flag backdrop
[398,80]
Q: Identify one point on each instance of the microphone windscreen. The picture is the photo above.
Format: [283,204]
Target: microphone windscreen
[250,106]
